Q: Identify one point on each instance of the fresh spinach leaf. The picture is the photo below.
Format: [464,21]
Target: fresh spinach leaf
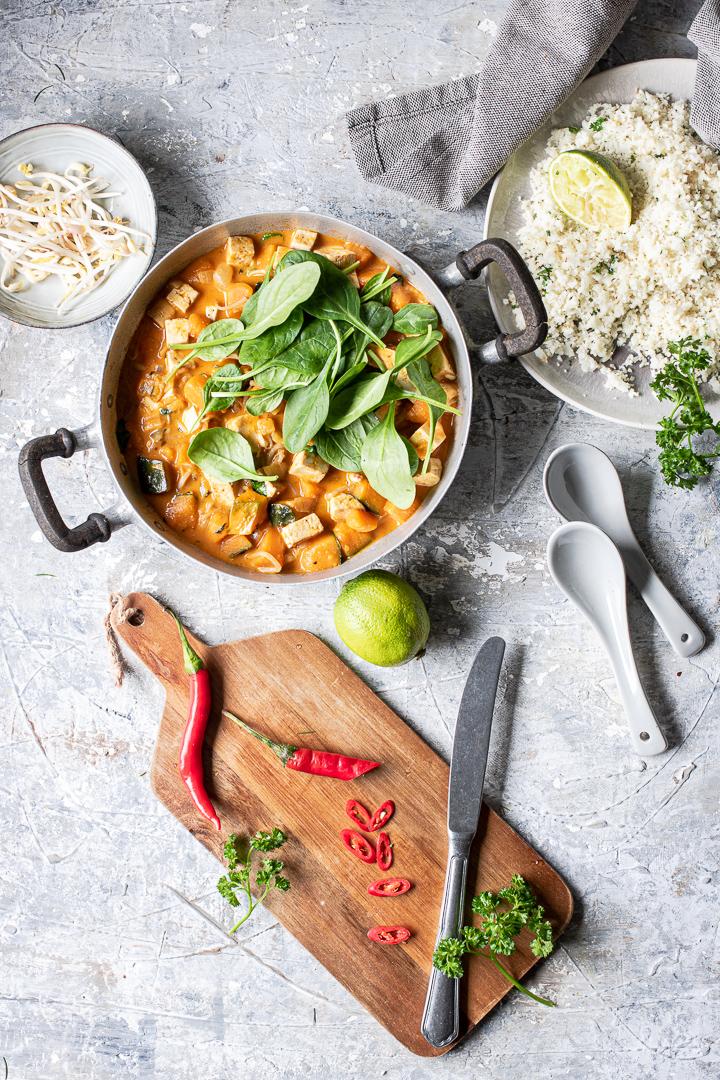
[306,409]
[224,455]
[220,395]
[278,298]
[413,459]
[308,354]
[379,318]
[214,342]
[335,297]
[421,377]
[273,341]
[415,319]
[348,375]
[269,306]
[264,402]
[363,396]
[386,462]
[413,348]
[379,287]
[343,449]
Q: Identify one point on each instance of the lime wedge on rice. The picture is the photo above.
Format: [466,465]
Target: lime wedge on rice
[590,189]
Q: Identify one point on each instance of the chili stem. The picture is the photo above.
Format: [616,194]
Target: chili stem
[283,751]
[518,985]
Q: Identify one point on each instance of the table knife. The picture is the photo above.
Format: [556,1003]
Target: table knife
[441,1018]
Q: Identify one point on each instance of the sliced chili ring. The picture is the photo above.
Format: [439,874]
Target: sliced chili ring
[391,886]
[384,851]
[359,814]
[360,846]
[389,935]
[381,816]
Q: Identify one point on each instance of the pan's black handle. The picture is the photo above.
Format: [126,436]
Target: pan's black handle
[95,529]
[471,263]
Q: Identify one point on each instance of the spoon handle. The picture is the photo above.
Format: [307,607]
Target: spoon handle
[646,737]
[682,632]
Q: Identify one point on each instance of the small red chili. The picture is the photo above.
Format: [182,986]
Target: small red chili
[384,851]
[360,846]
[303,759]
[358,813]
[190,763]
[392,886]
[381,816]
[389,935]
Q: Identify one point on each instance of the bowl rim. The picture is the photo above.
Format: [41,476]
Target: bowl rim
[366,557]
[153,231]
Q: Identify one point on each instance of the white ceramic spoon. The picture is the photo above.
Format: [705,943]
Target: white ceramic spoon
[582,484]
[587,566]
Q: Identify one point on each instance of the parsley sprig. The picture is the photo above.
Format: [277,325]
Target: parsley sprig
[504,915]
[681,464]
[236,884]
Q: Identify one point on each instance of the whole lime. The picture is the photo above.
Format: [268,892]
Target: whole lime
[382,618]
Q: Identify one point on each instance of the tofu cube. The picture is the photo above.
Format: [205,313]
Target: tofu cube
[387,356]
[177,332]
[340,505]
[302,239]
[239,251]
[280,251]
[421,438]
[432,476]
[341,256]
[308,465]
[211,312]
[160,312]
[181,296]
[302,529]
[440,364]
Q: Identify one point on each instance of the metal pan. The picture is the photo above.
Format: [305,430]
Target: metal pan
[131,506]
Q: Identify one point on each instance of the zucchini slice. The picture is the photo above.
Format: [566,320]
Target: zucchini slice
[152,476]
[280,514]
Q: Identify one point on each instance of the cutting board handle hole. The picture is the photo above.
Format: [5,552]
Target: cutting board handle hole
[136,618]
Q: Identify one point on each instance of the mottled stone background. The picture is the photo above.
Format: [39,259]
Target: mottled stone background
[106,971]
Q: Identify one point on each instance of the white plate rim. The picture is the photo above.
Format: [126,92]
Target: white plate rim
[544,372]
[152,230]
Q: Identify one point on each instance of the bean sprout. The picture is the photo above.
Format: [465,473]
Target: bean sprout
[56,225]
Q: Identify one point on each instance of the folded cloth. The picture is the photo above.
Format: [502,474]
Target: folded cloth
[442,144]
[705,108]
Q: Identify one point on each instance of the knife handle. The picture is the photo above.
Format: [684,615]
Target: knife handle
[441,1018]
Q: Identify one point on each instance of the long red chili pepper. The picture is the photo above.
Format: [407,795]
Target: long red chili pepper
[317,762]
[190,759]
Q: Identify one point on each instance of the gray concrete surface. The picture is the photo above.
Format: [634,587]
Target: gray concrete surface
[105,970]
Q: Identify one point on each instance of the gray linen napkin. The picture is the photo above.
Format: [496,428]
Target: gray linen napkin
[705,109]
[442,144]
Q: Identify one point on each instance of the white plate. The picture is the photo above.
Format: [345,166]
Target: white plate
[53,147]
[565,379]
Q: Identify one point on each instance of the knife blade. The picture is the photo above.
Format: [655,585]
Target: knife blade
[441,1018]
[472,738]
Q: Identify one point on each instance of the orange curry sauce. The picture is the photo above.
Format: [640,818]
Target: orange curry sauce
[158,414]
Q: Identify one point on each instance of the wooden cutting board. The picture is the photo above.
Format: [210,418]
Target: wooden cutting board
[294,689]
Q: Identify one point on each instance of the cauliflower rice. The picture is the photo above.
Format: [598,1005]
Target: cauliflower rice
[655,282]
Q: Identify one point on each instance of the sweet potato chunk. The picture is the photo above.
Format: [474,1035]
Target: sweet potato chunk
[319,554]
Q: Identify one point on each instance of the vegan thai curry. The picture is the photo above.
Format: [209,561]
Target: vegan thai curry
[287,400]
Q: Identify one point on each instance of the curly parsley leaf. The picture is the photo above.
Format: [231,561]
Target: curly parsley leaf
[505,915]
[681,464]
[236,885]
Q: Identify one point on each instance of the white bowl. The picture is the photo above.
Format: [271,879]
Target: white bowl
[53,147]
